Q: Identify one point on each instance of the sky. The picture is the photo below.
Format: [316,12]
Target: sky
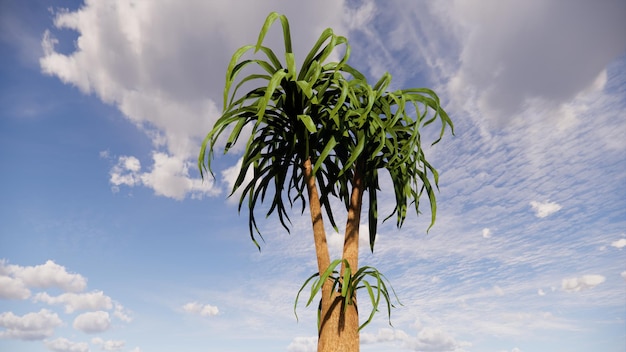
[110,241]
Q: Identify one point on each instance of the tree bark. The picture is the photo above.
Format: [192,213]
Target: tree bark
[315,208]
[339,327]
[327,339]
[350,339]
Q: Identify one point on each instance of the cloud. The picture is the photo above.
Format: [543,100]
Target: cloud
[230,174]
[623,275]
[165,87]
[169,177]
[73,301]
[122,313]
[486,233]
[109,345]
[621,243]
[544,209]
[12,288]
[303,344]
[427,339]
[435,339]
[47,275]
[384,335]
[92,322]
[64,345]
[582,283]
[205,310]
[31,326]
[125,172]
[508,63]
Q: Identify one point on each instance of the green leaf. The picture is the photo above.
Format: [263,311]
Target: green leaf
[268,23]
[308,123]
[372,217]
[324,154]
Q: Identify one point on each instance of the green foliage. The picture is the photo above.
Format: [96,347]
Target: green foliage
[347,284]
[328,113]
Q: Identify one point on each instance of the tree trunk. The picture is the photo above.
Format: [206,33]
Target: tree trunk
[319,234]
[339,327]
[336,332]
[323,259]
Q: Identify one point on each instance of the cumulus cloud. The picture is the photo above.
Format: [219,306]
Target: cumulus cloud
[205,310]
[303,344]
[621,243]
[92,322]
[165,87]
[435,339]
[486,233]
[31,326]
[582,283]
[12,288]
[64,345]
[19,278]
[108,345]
[168,177]
[544,209]
[77,301]
[506,66]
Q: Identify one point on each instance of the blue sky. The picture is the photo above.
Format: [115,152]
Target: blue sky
[109,240]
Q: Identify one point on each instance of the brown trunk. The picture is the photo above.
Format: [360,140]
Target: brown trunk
[323,257]
[339,331]
[339,328]
[319,234]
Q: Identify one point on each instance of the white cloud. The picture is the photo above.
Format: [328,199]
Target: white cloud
[92,322]
[486,233]
[77,301]
[105,154]
[122,313]
[623,275]
[435,339]
[582,283]
[384,335]
[541,292]
[621,243]
[46,275]
[125,172]
[31,326]
[303,344]
[12,288]
[205,310]
[165,87]
[229,175]
[169,177]
[508,63]
[64,345]
[108,345]
[544,209]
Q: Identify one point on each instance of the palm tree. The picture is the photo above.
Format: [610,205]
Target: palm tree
[325,129]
